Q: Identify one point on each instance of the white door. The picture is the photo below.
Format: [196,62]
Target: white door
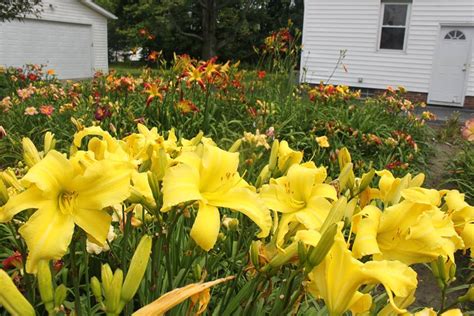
[450,66]
[64,47]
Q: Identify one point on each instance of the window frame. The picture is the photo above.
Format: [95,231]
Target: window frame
[381,26]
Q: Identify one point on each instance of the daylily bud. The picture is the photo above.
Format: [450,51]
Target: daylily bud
[96,289]
[452,271]
[160,164]
[154,184]
[60,295]
[441,267]
[106,276]
[346,177]
[30,153]
[197,271]
[434,269]
[137,269]
[112,300]
[335,214]
[197,139]
[274,155]
[49,142]
[418,180]
[10,179]
[343,158]
[3,193]
[77,124]
[235,146]
[366,180]
[283,257]
[254,252]
[318,253]
[468,297]
[351,206]
[444,270]
[263,177]
[45,285]
[230,223]
[11,298]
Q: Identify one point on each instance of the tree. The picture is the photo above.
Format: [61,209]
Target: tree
[204,28]
[11,9]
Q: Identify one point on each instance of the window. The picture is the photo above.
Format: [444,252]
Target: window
[393,32]
[455,35]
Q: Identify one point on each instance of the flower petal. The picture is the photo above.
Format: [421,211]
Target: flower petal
[103,184]
[283,228]
[366,224]
[30,198]
[277,198]
[48,234]
[302,178]
[247,202]
[360,303]
[396,277]
[95,223]
[51,174]
[206,226]
[217,168]
[324,190]
[180,184]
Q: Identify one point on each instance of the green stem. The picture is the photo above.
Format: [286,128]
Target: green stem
[443,298]
[75,278]
[86,271]
[207,110]
[169,268]
[126,233]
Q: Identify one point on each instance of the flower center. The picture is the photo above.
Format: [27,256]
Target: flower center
[67,201]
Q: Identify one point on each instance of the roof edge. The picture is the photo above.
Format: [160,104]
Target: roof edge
[99,9]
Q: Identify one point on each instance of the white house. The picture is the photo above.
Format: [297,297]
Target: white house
[424,45]
[70,37]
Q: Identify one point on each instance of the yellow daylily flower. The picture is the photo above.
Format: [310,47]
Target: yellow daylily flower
[140,190]
[391,187]
[462,215]
[63,197]
[191,144]
[287,156]
[210,177]
[337,279]
[141,145]
[106,147]
[431,312]
[411,232]
[301,196]
[322,141]
[400,302]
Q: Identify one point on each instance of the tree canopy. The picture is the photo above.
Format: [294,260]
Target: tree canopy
[11,9]
[201,28]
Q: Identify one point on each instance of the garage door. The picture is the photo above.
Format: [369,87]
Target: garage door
[64,47]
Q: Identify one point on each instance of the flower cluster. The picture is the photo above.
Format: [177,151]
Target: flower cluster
[343,234]
[325,93]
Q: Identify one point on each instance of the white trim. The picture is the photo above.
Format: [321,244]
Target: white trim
[406,27]
[98,9]
[440,39]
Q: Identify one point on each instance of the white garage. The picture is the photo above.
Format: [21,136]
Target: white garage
[69,37]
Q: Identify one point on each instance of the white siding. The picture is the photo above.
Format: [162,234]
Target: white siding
[73,11]
[334,25]
[64,47]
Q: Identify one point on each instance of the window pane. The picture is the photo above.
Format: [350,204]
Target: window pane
[395,14]
[392,38]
